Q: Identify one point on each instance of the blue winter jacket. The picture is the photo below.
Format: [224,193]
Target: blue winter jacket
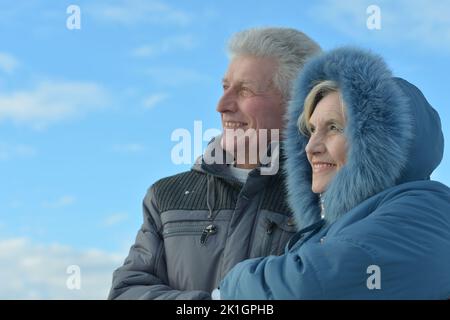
[386,230]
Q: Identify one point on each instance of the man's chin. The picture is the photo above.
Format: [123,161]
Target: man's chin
[227,147]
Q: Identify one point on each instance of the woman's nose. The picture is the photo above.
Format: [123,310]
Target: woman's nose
[315,144]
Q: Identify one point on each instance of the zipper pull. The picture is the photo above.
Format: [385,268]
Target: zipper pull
[270,227]
[211,229]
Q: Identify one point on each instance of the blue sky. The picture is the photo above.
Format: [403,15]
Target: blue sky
[86,115]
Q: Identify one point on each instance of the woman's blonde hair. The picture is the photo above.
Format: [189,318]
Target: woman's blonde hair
[319,91]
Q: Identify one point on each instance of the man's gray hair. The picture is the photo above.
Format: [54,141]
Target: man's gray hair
[289,47]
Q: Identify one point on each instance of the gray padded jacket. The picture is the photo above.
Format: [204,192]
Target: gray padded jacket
[197,226]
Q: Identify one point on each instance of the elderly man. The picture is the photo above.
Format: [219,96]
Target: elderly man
[231,205]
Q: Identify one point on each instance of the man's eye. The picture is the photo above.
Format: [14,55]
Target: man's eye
[312,130]
[245,92]
[225,87]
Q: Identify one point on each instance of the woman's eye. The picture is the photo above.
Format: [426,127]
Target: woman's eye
[334,127]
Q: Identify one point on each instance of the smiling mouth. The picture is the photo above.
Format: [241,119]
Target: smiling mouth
[322,166]
[233,124]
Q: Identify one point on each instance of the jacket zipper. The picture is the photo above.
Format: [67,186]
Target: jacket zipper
[204,232]
[185,229]
[267,242]
[209,230]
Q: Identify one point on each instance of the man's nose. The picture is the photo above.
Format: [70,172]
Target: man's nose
[315,144]
[228,102]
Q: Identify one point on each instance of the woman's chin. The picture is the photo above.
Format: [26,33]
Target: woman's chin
[318,188]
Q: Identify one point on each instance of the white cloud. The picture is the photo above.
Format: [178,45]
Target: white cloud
[154,99]
[34,230]
[114,219]
[170,44]
[61,202]
[51,102]
[8,63]
[174,76]
[421,22]
[16,204]
[8,151]
[128,147]
[37,271]
[134,12]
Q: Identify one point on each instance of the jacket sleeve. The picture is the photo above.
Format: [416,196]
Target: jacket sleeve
[316,271]
[144,273]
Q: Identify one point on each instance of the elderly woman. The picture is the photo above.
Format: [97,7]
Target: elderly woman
[361,146]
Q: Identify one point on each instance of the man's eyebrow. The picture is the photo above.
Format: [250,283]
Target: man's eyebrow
[247,81]
[241,82]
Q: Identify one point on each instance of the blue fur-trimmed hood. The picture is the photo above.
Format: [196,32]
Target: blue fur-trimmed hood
[394,136]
